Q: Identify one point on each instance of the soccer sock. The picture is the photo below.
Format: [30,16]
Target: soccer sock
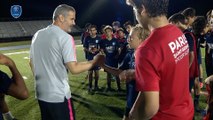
[96,82]
[118,83]
[8,116]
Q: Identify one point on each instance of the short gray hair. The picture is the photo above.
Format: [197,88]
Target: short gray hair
[62,9]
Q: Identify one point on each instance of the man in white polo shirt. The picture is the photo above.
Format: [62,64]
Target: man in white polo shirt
[52,52]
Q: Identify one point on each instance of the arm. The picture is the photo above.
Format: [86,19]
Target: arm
[127,75]
[112,70]
[79,67]
[190,40]
[31,65]
[18,88]
[147,104]
[191,58]
[208,79]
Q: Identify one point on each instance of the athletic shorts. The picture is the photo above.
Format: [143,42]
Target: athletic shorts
[57,111]
[5,82]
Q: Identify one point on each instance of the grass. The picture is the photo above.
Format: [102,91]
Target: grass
[97,106]
[27,42]
[15,43]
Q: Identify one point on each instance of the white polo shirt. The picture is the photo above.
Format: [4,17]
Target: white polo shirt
[51,48]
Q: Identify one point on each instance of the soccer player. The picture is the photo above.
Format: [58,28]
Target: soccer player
[122,41]
[199,28]
[13,86]
[209,45]
[103,34]
[190,14]
[83,36]
[52,52]
[137,36]
[110,47]
[116,25]
[179,20]
[92,46]
[162,66]
[209,87]
[128,25]
[4,109]
[85,33]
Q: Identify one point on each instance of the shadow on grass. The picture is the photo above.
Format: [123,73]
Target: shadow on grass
[97,107]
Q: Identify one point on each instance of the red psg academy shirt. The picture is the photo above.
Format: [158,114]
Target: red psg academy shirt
[162,64]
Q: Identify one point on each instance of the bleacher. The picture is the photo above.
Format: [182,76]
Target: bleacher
[23,29]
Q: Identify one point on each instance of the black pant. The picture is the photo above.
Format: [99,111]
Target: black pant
[57,111]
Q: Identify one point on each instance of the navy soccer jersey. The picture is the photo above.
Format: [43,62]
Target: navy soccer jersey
[92,44]
[128,61]
[189,39]
[123,52]
[209,54]
[110,48]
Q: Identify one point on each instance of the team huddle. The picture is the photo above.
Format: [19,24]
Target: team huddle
[159,59]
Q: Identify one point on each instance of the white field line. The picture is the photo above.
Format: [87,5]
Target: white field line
[25,52]
[24,77]
[16,53]
[26,58]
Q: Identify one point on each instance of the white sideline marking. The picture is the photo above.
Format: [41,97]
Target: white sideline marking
[27,58]
[24,52]
[15,53]
[24,77]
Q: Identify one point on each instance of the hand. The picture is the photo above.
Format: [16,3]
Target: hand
[4,60]
[99,59]
[122,76]
[93,50]
[127,75]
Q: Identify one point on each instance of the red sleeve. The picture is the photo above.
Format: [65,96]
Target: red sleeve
[147,76]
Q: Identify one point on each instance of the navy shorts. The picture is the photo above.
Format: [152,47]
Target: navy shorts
[57,111]
[5,82]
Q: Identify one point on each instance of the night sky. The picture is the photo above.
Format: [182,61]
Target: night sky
[94,11]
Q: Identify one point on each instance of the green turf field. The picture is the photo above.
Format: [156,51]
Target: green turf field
[98,106]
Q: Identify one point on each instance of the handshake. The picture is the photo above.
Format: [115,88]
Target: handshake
[99,59]
[124,75]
